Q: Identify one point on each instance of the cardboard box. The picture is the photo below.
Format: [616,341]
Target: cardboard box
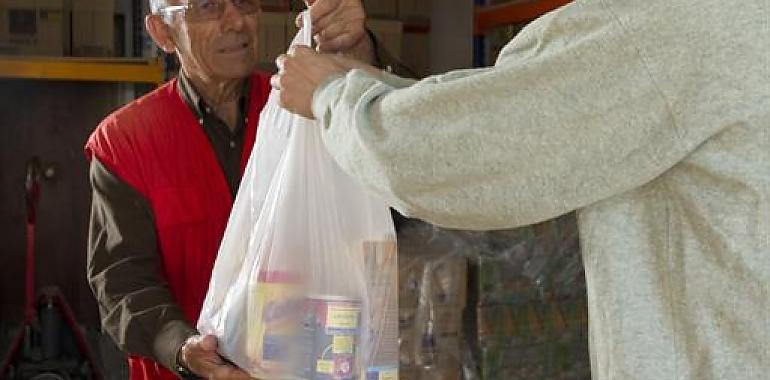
[389,33]
[93,28]
[414,10]
[415,52]
[382,8]
[33,27]
[272,36]
[291,27]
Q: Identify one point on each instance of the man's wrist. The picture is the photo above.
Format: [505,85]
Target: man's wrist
[181,366]
[364,50]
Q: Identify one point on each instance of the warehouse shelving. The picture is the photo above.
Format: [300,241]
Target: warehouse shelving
[82,69]
[488,17]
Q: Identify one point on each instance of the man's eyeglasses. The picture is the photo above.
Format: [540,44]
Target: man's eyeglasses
[209,10]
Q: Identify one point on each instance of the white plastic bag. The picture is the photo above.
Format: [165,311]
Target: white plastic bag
[305,282]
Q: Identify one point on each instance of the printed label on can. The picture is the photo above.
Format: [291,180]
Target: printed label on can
[342,344]
[325,366]
[330,338]
[341,318]
[343,367]
[382,373]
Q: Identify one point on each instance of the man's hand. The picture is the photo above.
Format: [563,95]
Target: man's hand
[199,355]
[302,70]
[339,27]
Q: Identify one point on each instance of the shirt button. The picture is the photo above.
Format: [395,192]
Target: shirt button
[246,120]
[200,121]
[232,144]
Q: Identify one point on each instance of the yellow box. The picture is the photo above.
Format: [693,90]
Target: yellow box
[274,307]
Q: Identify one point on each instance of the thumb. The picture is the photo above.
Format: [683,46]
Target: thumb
[209,343]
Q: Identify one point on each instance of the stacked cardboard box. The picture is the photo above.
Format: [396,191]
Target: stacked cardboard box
[385,18]
[404,10]
[415,52]
[34,27]
[389,33]
[272,40]
[93,30]
[387,9]
[414,10]
[411,45]
[531,311]
[57,27]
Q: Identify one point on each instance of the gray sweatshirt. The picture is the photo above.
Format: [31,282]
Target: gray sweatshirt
[651,118]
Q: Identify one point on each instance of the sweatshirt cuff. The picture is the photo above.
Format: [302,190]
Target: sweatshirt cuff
[325,93]
[168,342]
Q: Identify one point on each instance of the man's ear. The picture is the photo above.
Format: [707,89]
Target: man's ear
[160,33]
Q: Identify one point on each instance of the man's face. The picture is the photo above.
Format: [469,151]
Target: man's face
[223,48]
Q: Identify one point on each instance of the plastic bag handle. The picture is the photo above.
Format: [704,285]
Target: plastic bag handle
[307,29]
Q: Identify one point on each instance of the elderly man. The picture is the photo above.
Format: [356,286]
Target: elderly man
[651,118]
[166,167]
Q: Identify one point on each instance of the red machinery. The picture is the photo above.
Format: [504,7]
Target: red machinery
[50,345]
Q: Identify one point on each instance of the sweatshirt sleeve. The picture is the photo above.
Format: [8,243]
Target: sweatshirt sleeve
[568,116]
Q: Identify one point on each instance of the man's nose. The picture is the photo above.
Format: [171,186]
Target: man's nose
[232,19]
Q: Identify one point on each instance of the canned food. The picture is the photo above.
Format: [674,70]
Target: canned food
[331,334]
[382,373]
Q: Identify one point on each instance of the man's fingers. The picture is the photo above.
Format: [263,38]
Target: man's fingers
[209,343]
[332,31]
[298,21]
[321,9]
[297,51]
[336,44]
[275,82]
[238,374]
[228,372]
[281,61]
[321,23]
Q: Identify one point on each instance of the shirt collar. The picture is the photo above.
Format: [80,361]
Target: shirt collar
[198,105]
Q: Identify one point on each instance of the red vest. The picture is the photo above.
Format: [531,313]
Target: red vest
[156,145]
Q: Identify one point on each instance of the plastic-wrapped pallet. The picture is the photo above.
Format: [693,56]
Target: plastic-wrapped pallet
[530,319]
[432,298]
[531,311]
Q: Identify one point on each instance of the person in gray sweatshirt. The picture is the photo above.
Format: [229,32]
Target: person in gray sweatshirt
[650,118]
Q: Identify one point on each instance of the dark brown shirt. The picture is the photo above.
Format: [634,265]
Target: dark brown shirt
[136,306]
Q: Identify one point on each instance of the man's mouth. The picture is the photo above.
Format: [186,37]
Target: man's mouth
[235,48]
